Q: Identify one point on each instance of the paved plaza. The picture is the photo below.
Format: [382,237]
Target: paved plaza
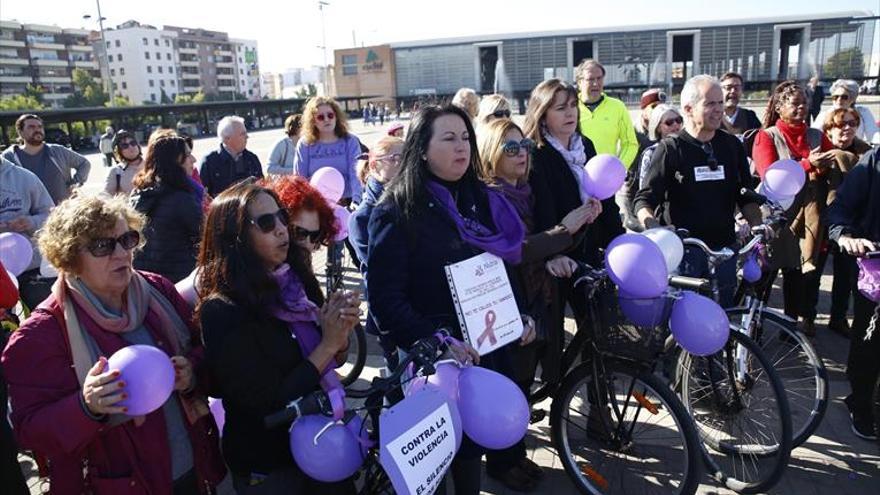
[833,460]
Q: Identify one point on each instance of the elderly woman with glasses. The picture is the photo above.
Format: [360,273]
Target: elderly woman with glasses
[844,93]
[68,403]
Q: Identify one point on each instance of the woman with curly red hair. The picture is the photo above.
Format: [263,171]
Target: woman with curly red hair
[312,223]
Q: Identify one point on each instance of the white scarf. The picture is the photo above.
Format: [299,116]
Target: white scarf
[575,157]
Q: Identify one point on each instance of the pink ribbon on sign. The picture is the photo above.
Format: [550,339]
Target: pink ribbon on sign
[489,332]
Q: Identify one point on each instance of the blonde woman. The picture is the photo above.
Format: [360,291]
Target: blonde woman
[492,107]
[327,142]
[468,100]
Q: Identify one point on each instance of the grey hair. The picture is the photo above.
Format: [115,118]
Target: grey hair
[227,124]
[847,85]
[690,95]
[656,116]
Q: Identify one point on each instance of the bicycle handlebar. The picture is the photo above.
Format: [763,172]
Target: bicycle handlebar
[424,353]
[690,283]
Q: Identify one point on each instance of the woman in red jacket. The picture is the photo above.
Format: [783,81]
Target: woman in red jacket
[787,136]
[65,400]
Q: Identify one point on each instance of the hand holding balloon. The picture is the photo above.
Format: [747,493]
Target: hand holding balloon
[183,373]
[103,389]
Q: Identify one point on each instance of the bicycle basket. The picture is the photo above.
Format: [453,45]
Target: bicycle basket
[631,328]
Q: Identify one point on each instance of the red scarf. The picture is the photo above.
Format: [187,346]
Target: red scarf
[796,138]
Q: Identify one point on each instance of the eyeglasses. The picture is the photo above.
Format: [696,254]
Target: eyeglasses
[106,245]
[512,148]
[325,116]
[300,234]
[711,161]
[852,124]
[501,114]
[671,122]
[843,97]
[393,158]
[127,144]
[267,221]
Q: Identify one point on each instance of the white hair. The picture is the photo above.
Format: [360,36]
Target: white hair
[691,94]
[226,126]
[848,85]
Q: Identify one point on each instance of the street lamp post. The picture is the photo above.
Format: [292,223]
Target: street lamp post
[101,20]
[321,5]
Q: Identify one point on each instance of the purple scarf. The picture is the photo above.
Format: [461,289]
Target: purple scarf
[301,316]
[520,196]
[506,243]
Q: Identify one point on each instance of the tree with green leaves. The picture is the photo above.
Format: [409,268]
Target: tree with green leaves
[20,102]
[307,92]
[189,98]
[87,92]
[845,64]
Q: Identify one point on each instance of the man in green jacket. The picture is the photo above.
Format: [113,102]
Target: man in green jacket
[605,120]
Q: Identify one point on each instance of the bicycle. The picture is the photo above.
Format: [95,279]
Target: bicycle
[737,400]
[372,477]
[617,427]
[334,280]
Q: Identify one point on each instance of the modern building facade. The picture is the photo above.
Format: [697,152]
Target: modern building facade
[764,50]
[143,63]
[365,71]
[44,57]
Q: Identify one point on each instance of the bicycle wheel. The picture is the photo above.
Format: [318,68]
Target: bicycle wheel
[357,356]
[798,365]
[639,441]
[741,411]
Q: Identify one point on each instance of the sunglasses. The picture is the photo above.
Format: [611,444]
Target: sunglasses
[266,222]
[128,144]
[393,158]
[512,148]
[325,116]
[843,97]
[106,245]
[711,161]
[300,234]
[670,122]
[848,123]
[501,114]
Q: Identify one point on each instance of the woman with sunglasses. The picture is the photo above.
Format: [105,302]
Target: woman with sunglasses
[504,155]
[556,180]
[270,337]
[435,212]
[129,162]
[66,399]
[492,107]
[326,142]
[786,136]
[844,93]
[312,223]
[163,193]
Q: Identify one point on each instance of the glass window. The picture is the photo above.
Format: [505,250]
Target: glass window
[122,71]
[168,56]
[162,83]
[149,69]
[152,83]
[152,96]
[158,56]
[117,43]
[167,43]
[112,72]
[110,58]
[145,41]
[119,57]
[124,85]
[170,70]
[349,65]
[156,41]
[147,55]
[159,68]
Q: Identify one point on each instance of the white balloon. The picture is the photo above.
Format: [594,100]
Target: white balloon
[46,269]
[670,245]
[187,288]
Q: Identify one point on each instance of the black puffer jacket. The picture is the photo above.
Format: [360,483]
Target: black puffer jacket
[173,230]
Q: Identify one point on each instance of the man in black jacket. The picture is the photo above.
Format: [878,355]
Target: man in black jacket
[737,120]
[698,175]
[854,223]
[232,162]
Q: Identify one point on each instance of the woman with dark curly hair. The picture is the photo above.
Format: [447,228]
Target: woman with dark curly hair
[270,336]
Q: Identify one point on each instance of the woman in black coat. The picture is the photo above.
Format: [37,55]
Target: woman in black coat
[269,336]
[163,194]
[434,213]
[557,182]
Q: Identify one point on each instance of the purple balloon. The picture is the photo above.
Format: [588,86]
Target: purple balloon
[645,312]
[359,430]
[494,411]
[330,183]
[341,215]
[605,175]
[148,375]
[784,179]
[751,270]
[637,266]
[219,413]
[16,252]
[445,378]
[325,453]
[698,324]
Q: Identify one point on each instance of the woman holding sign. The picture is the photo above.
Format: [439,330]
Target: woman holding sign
[269,335]
[557,183]
[436,214]
[504,153]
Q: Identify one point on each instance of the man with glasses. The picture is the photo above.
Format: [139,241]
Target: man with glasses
[696,176]
[52,163]
[232,162]
[737,120]
[605,120]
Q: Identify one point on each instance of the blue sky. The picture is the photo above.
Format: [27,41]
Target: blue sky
[289,32]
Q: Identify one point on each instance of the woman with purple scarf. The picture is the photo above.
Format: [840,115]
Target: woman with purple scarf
[504,154]
[270,337]
[436,212]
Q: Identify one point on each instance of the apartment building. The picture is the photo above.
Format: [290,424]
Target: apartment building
[213,63]
[143,62]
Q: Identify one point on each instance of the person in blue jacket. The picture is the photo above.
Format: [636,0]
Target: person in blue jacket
[437,212]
